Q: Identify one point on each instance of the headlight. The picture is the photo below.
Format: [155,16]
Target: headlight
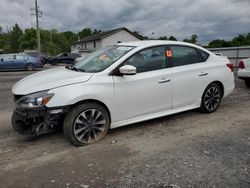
[35,100]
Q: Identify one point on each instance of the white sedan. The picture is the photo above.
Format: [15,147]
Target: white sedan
[244,71]
[120,85]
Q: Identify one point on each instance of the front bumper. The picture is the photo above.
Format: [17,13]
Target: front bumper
[38,121]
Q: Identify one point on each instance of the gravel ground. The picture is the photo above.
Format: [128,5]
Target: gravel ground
[189,149]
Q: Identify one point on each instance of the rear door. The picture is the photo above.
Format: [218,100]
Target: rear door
[19,62]
[190,74]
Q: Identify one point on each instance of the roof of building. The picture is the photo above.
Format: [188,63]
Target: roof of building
[105,34]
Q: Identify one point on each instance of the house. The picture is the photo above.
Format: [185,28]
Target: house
[97,41]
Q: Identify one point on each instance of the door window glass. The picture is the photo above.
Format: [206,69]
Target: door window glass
[19,57]
[204,55]
[149,59]
[183,55]
[8,58]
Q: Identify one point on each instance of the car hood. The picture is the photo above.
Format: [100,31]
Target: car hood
[49,79]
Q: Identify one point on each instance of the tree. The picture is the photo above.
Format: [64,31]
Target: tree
[96,31]
[218,43]
[193,39]
[15,36]
[163,38]
[172,38]
[28,39]
[70,36]
[241,40]
[85,32]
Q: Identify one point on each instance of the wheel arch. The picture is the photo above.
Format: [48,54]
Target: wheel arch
[97,102]
[29,63]
[220,84]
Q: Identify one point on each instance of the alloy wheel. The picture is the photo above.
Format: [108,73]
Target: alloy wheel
[29,67]
[89,126]
[212,98]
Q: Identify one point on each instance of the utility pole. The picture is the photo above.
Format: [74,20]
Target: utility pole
[38,14]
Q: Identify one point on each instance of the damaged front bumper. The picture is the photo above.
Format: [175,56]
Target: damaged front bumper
[38,121]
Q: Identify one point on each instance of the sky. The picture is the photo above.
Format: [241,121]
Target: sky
[209,19]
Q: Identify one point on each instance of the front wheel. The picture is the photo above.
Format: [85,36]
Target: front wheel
[247,82]
[86,124]
[211,98]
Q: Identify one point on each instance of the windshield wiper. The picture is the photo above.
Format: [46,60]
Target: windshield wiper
[70,67]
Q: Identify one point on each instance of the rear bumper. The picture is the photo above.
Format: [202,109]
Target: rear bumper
[229,90]
[244,74]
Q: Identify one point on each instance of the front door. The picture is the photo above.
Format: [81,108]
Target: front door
[148,91]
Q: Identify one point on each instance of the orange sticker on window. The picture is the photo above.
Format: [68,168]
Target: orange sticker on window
[169,53]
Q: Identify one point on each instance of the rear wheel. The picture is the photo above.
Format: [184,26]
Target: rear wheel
[211,98]
[29,67]
[86,124]
[247,82]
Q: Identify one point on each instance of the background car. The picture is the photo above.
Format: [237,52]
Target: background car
[44,57]
[19,61]
[244,71]
[66,58]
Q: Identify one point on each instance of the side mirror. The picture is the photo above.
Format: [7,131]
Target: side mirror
[1,59]
[127,70]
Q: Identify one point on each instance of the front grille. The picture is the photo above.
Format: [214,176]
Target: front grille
[17,97]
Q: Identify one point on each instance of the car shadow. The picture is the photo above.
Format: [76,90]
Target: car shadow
[165,121]
[150,124]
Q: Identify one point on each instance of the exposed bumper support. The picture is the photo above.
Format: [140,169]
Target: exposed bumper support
[37,121]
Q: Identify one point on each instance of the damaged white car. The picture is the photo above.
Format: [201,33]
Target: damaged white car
[120,85]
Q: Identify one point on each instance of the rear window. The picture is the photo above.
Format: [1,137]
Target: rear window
[204,55]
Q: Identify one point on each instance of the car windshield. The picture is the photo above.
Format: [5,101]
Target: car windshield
[101,59]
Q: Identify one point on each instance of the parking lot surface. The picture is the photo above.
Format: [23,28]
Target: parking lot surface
[188,149]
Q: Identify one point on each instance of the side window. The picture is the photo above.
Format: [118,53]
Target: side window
[184,55]
[148,60]
[8,58]
[19,57]
[204,55]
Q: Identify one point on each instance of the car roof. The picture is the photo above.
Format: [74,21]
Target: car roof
[148,43]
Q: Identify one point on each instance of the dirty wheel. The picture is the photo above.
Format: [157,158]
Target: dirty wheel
[29,67]
[86,124]
[211,98]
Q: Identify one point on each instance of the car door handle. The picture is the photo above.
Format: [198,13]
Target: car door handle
[164,80]
[203,74]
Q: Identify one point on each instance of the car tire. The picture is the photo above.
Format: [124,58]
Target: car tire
[29,67]
[211,98]
[86,123]
[54,62]
[247,82]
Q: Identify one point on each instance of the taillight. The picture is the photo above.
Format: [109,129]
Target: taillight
[241,65]
[231,66]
